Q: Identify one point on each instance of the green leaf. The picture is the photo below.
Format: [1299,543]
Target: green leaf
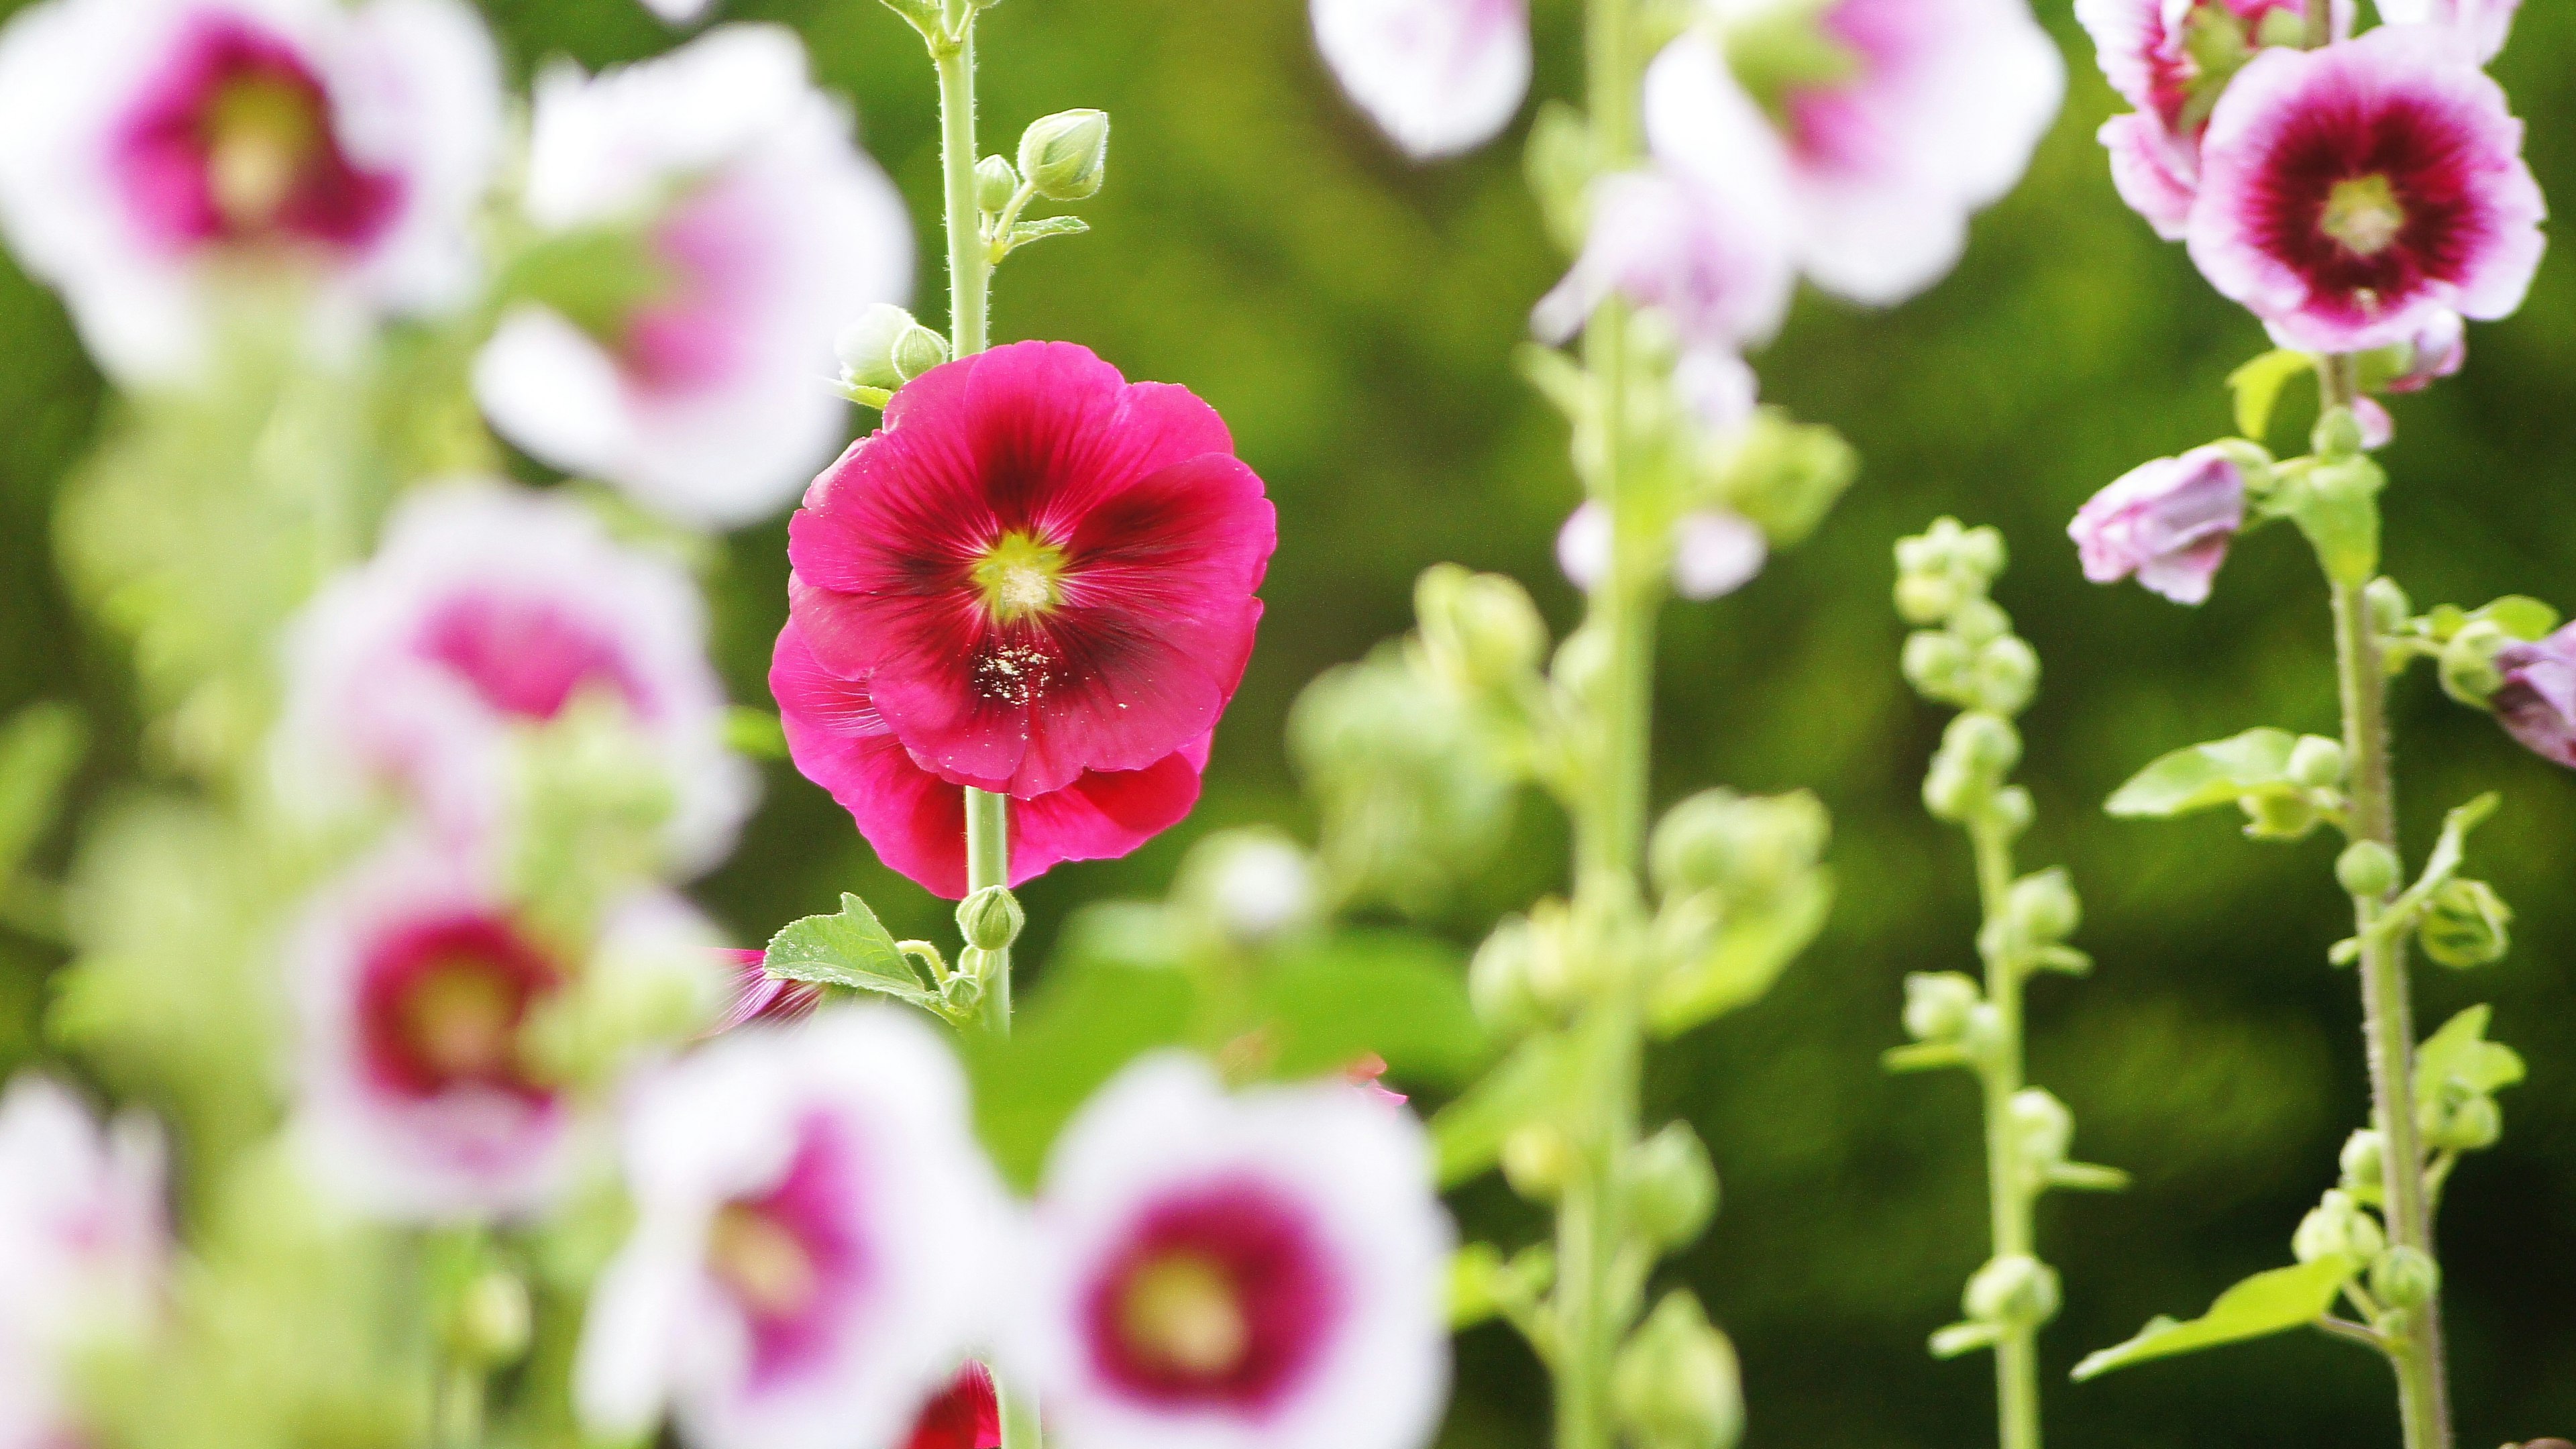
[2258,385]
[755,732]
[1073,1034]
[2266,1303]
[1118,933]
[1749,953]
[851,950]
[40,746]
[2204,776]
[1401,996]
[1468,1133]
[2459,1054]
[1042,228]
[2523,618]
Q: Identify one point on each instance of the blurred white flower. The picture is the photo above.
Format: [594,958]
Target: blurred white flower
[2482,26]
[760,230]
[1715,552]
[1928,112]
[1438,76]
[1264,1271]
[487,612]
[816,1236]
[84,1243]
[149,147]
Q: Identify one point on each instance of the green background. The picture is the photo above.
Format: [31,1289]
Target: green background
[1352,316]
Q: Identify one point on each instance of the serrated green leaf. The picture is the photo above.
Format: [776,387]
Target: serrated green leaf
[1398,995]
[2258,385]
[1042,228]
[2460,1054]
[2267,1303]
[40,746]
[852,950]
[1468,1133]
[1748,954]
[2202,777]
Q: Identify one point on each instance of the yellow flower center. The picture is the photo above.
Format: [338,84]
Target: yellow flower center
[462,1020]
[1182,1313]
[259,137]
[2362,213]
[762,1261]
[1020,576]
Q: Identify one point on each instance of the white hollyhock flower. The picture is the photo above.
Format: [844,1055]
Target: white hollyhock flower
[1715,552]
[84,1243]
[1438,76]
[487,612]
[1262,1271]
[150,147]
[767,231]
[816,1236]
[2482,26]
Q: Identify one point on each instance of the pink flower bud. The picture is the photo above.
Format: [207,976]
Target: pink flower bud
[2537,702]
[2168,522]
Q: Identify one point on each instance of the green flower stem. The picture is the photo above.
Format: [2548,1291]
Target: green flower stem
[458,1412]
[988,863]
[2008,1190]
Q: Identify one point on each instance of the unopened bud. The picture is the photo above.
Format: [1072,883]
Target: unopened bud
[1925,599]
[2405,1277]
[2007,675]
[991,918]
[1538,1162]
[918,350]
[2012,811]
[1981,552]
[1937,1004]
[2278,815]
[2338,1227]
[493,1319]
[2390,610]
[1672,1186]
[1950,789]
[866,347]
[1986,744]
[1482,627]
[1253,885]
[2044,1126]
[1934,663]
[1747,847]
[1978,621]
[2366,868]
[2459,1121]
[2466,925]
[2338,434]
[996,182]
[2016,1289]
[2043,907]
[1498,979]
[977,964]
[2468,667]
[1066,155]
[2316,762]
[1675,1384]
[2364,1169]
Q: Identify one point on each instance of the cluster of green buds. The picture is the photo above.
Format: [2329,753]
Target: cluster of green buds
[2462,643]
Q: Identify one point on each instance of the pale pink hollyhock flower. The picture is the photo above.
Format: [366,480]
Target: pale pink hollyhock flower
[2168,522]
[2537,701]
[1715,552]
[149,146]
[2482,26]
[817,1236]
[2350,194]
[2439,349]
[709,400]
[414,981]
[84,1245]
[1261,1271]
[1937,118]
[1438,76]
[486,613]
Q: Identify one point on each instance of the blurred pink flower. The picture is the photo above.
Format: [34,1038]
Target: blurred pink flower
[817,1236]
[1936,118]
[1261,1271]
[2537,702]
[1715,552]
[2481,26]
[709,400]
[757,996]
[2352,194]
[2439,349]
[486,613]
[148,147]
[84,1245]
[916,822]
[965,1416]
[2168,522]
[1438,76]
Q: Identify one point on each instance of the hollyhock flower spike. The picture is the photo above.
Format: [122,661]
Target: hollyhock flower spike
[1038,568]
[2168,522]
[1438,76]
[1253,1272]
[1931,116]
[816,1234]
[2480,26]
[148,147]
[2351,195]
[2537,702]
[916,821]
[763,232]
[489,611]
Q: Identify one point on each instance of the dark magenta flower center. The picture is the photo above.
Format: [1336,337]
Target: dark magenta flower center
[2368,203]
[528,657]
[441,1004]
[795,1257]
[1222,1296]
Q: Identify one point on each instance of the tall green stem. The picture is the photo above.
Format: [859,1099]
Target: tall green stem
[2008,1190]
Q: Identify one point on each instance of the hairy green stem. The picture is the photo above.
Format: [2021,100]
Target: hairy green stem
[2008,1192]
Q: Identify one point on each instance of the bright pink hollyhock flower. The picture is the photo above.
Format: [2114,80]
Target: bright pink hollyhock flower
[706,400]
[2537,702]
[2350,194]
[757,996]
[486,613]
[816,1240]
[966,1415]
[1943,103]
[1438,76]
[916,822]
[84,1250]
[1262,1271]
[2168,522]
[2480,26]
[150,147]
[1039,569]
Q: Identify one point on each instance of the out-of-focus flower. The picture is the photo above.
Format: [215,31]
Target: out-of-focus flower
[1038,568]
[1369,1075]
[83,1247]
[2439,349]
[1438,76]
[2481,26]
[678,12]
[1928,112]
[2168,522]
[2349,195]
[755,231]
[965,1416]
[760,997]
[1262,1270]
[916,822]
[149,147]
[816,1233]
[489,611]
[1715,552]
[2537,701]
[415,985]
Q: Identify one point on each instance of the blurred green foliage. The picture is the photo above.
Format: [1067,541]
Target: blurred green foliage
[1353,317]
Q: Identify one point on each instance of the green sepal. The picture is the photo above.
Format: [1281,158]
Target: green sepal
[2336,504]
[2267,1303]
[2258,385]
[1924,1056]
[1964,1338]
[2460,1055]
[2087,1177]
[1468,1134]
[865,396]
[852,950]
[2203,777]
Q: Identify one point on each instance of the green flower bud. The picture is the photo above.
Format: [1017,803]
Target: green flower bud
[978,964]
[996,182]
[1986,744]
[2390,610]
[2367,868]
[2468,667]
[2044,1126]
[2364,1168]
[1980,551]
[1672,1186]
[2043,907]
[1481,629]
[1925,599]
[1930,551]
[1675,1384]
[2460,1121]
[2012,810]
[1950,790]
[1938,1003]
[1581,662]
[2007,675]
[1934,663]
[2466,925]
[1498,979]
[2405,1277]
[2278,815]
[493,1319]
[1746,848]
[2338,1227]
[2337,435]
[2316,762]
[918,350]
[991,918]
[1538,1162]
[2017,1290]
[1066,155]
[866,347]
[1978,621]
